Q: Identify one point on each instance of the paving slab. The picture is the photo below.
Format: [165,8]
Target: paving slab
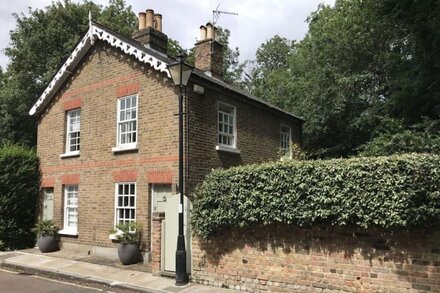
[95,273]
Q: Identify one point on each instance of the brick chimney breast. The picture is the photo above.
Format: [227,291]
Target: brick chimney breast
[209,53]
[150,32]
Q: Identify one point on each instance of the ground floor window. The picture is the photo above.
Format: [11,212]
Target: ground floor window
[125,202]
[70,209]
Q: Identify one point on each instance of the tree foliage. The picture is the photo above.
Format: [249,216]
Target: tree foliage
[360,62]
[19,179]
[40,43]
[389,192]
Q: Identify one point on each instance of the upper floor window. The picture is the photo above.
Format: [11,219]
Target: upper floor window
[285,140]
[127,121]
[226,126]
[73,131]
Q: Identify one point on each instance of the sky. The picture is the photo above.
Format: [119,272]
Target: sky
[257,20]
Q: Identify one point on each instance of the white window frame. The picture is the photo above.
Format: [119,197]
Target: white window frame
[226,147]
[66,229]
[130,145]
[68,144]
[117,207]
[287,151]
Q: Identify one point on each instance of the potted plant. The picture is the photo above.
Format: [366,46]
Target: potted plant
[128,234]
[47,233]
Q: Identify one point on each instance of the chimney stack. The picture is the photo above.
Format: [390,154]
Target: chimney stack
[150,32]
[209,52]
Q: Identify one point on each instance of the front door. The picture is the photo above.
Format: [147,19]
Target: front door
[166,201]
[47,204]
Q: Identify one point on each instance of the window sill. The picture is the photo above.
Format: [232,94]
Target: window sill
[68,232]
[69,155]
[125,148]
[227,149]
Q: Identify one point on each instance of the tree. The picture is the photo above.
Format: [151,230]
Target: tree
[354,70]
[40,43]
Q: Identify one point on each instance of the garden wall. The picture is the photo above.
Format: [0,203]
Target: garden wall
[283,258]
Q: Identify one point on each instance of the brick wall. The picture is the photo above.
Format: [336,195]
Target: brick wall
[103,76]
[320,259]
[106,74]
[258,132]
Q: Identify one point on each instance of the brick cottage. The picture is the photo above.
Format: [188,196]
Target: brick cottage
[108,137]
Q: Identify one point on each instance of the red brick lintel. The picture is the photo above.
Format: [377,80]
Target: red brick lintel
[128,89]
[165,176]
[47,182]
[70,179]
[124,176]
[73,104]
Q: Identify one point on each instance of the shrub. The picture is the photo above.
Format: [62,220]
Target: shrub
[18,195]
[45,228]
[419,138]
[389,192]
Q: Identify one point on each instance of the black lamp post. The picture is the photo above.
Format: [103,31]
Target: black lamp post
[180,73]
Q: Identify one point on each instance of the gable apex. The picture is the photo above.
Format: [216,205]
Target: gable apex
[98,32]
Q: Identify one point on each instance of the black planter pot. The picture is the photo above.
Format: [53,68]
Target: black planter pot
[48,243]
[129,253]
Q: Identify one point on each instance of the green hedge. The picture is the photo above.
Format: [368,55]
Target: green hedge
[388,192]
[18,196]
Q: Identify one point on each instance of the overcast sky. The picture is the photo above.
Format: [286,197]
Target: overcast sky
[257,20]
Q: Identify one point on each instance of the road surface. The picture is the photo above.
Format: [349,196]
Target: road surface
[12,282]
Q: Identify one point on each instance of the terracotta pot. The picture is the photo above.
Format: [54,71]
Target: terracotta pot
[48,243]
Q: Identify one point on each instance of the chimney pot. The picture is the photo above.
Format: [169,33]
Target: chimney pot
[149,18]
[210,31]
[158,22]
[142,17]
[202,33]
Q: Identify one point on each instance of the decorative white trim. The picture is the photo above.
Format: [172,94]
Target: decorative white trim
[130,50]
[83,46]
[227,149]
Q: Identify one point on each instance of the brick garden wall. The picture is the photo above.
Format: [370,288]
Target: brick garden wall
[320,259]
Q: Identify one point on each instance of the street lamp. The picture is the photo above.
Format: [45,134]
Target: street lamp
[180,73]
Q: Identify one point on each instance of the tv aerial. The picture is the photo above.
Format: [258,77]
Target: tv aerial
[216,14]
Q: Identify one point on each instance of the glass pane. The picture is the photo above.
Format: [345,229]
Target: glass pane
[133,214]
[125,201]
[120,188]
[126,189]
[127,103]
[132,201]
[119,201]
[132,189]
[133,102]
[122,104]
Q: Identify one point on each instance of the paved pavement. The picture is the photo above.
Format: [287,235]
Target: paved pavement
[24,283]
[97,274]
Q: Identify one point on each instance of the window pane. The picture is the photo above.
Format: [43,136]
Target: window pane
[122,104]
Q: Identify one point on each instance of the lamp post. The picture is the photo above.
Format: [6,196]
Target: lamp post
[180,73]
